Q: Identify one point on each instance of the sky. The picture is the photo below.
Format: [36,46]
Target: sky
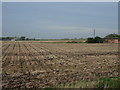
[0,19]
[60,0]
[56,20]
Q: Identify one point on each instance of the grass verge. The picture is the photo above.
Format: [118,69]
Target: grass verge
[101,83]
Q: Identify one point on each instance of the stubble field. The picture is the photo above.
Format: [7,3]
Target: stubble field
[40,65]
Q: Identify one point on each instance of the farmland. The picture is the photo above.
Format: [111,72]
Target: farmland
[34,64]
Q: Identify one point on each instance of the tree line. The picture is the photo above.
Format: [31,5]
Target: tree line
[22,38]
[96,39]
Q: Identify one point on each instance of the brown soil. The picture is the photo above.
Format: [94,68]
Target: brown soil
[35,64]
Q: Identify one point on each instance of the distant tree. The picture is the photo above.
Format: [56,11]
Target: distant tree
[22,38]
[112,36]
[7,38]
[27,38]
[3,38]
[95,40]
[34,39]
[90,40]
[98,40]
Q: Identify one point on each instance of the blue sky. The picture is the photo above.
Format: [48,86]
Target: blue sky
[52,20]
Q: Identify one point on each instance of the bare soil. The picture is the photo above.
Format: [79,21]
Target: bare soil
[40,65]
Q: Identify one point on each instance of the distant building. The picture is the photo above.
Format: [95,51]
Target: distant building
[111,40]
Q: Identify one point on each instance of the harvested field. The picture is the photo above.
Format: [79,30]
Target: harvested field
[40,65]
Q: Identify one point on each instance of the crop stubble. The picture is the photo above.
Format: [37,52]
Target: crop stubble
[35,64]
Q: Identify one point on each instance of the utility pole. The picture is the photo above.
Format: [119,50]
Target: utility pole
[94,33]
